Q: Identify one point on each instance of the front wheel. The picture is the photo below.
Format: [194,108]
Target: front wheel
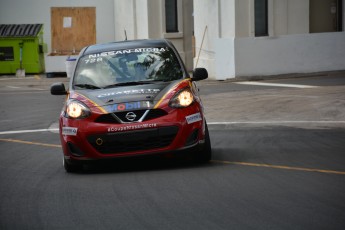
[71,166]
[206,153]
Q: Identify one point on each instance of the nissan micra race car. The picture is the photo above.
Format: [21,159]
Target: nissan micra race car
[131,98]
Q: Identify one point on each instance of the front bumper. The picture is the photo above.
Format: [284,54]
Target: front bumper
[93,141]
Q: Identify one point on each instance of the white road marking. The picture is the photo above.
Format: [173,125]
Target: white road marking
[28,131]
[273,122]
[37,89]
[275,84]
[24,88]
[297,124]
[5,120]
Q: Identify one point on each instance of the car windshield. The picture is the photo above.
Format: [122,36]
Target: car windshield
[132,66]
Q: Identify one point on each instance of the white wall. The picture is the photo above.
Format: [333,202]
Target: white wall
[244,13]
[298,16]
[125,19]
[206,14]
[38,11]
[303,53]
[280,16]
[290,17]
[144,19]
[225,59]
[188,30]
[230,48]
[132,16]
[155,18]
[227,18]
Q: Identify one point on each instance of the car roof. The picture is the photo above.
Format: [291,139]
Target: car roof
[128,44]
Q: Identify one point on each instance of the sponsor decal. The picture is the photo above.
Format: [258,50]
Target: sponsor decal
[193,118]
[131,127]
[128,106]
[69,131]
[130,92]
[98,57]
[128,51]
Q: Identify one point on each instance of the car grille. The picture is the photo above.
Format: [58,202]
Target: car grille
[112,143]
[120,117]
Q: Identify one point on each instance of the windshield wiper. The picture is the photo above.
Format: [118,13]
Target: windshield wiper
[87,86]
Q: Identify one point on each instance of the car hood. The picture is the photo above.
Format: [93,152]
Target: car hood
[126,97]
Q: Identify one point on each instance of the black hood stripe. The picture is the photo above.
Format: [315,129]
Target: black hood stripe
[107,100]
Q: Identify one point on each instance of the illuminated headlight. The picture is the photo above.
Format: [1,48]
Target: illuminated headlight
[77,110]
[182,99]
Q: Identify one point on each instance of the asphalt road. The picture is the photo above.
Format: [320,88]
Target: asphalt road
[266,172]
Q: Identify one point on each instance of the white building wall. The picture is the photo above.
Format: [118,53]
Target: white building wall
[289,48]
[280,17]
[227,18]
[288,54]
[145,19]
[132,16]
[206,24]
[188,30]
[225,67]
[125,19]
[290,17]
[155,18]
[298,16]
[141,18]
[302,53]
[243,17]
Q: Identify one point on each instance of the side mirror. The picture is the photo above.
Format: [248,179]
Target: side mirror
[199,74]
[58,89]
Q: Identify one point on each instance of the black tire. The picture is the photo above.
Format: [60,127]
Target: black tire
[71,166]
[206,153]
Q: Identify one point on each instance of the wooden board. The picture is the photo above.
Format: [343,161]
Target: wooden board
[72,28]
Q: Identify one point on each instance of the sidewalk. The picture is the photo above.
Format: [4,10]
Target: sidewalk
[321,107]
[38,80]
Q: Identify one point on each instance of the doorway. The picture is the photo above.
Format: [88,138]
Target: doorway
[326,16]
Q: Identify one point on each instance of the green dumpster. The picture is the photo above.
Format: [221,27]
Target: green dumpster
[21,42]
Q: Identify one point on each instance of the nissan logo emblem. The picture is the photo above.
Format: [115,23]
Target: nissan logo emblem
[131,116]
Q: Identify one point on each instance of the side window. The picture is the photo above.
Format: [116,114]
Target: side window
[261,18]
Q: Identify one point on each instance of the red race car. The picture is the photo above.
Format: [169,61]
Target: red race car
[131,98]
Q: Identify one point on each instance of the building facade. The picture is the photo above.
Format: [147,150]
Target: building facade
[269,37]
[170,19]
[231,38]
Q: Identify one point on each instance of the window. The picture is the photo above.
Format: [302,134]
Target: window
[171,16]
[261,18]
[6,54]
